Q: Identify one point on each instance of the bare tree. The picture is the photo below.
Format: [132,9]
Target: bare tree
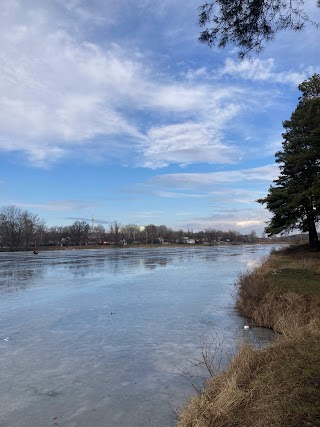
[129,232]
[53,235]
[31,225]
[18,227]
[98,234]
[115,231]
[79,232]
[11,226]
[151,231]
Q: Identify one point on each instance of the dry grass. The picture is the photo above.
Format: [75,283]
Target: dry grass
[278,386]
[283,293]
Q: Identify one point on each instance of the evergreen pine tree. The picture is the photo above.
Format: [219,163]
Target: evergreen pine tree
[294,200]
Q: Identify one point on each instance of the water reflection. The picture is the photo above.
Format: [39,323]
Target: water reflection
[17,272]
[152,263]
[116,262]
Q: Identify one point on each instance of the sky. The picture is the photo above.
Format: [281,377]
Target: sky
[113,109]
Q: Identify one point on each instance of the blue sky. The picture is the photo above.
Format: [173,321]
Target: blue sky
[113,108]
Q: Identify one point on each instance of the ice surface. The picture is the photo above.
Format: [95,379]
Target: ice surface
[104,337]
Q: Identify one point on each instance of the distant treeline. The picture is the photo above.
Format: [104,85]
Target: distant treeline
[21,229]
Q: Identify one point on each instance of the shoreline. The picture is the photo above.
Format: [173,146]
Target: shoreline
[134,246]
[277,385]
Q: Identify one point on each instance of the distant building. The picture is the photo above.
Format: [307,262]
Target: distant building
[186,240]
[190,242]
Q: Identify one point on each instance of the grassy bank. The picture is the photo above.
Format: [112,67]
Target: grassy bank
[280,385]
[284,292]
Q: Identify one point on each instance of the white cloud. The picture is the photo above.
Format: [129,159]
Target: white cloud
[187,143]
[199,180]
[176,97]
[198,73]
[58,92]
[63,94]
[251,69]
[250,222]
[262,69]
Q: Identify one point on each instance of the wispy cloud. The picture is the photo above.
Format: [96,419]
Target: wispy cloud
[79,92]
[231,196]
[145,215]
[62,93]
[64,99]
[264,70]
[202,180]
[219,198]
[89,220]
[186,143]
[54,205]
[237,219]
[175,195]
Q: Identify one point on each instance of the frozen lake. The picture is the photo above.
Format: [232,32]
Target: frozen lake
[103,337]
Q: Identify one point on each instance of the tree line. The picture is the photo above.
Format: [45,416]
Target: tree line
[21,229]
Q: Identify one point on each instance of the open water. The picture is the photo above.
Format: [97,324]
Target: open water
[112,337]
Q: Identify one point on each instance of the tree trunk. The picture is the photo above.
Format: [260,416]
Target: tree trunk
[313,235]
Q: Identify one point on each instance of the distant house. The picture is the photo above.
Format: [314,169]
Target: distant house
[65,241]
[123,242]
[186,240]
[190,242]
